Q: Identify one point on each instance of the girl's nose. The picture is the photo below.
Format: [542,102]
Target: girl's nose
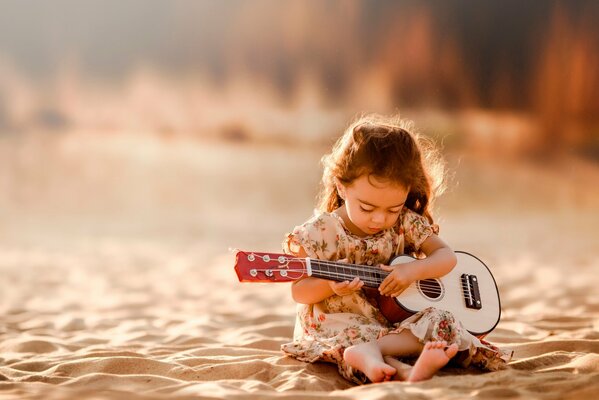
[378,217]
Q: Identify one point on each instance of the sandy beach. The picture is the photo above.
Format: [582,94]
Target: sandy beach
[117,281]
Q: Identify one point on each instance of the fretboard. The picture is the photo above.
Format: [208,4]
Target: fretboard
[339,271]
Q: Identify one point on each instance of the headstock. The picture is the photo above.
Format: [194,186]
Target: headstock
[268,267]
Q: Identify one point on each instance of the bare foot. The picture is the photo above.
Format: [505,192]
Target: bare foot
[433,357]
[403,369]
[367,358]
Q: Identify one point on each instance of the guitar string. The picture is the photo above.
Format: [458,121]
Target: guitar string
[336,264]
[379,274]
[412,286]
[362,268]
[366,281]
[380,279]
[430,289]
[373,280]
[367,269]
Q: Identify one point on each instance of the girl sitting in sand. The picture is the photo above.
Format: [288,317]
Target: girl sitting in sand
[377,189]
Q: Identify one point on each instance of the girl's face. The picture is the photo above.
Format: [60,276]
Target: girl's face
[371,205]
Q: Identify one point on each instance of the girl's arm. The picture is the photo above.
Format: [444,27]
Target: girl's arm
[312,290]
[440,260]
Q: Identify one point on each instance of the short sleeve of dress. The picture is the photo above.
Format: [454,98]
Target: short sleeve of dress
[319,237]
[416,229]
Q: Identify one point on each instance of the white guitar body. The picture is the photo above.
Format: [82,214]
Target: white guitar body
[469,292]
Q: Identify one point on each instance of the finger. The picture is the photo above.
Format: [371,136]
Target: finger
[384,285]
[356,283]
[386,268]
[387,285]
[392,289]
[388,282]
[340,285]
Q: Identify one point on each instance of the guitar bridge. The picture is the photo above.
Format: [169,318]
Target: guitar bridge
[471,291]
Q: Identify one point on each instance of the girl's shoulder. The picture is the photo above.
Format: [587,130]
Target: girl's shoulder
[323,220]
[416,228]
[319,236]
[407,216]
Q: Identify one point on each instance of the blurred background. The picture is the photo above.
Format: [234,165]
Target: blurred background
[204,121]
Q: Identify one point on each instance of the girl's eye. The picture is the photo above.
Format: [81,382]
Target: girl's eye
[365,210]
[394,211]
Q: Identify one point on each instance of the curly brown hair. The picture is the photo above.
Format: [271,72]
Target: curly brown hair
[390,149]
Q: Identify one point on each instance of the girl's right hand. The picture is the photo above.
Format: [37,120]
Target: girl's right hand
[346,287]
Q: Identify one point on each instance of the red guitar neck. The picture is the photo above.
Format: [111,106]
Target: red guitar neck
[275,267]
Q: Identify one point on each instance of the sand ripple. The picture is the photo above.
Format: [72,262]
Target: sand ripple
[104,335]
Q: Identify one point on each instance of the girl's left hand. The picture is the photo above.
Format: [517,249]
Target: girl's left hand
[397,281]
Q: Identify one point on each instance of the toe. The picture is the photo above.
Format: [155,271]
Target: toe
[452,350]
[389,370]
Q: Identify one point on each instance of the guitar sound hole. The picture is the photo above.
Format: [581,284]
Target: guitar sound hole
[431,288]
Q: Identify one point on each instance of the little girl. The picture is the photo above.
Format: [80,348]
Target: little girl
[377,189]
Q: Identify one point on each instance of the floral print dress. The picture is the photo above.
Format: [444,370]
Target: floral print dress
[324,330]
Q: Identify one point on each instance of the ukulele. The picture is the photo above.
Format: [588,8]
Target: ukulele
[468,291]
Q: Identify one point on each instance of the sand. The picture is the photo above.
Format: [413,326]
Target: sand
[111,296]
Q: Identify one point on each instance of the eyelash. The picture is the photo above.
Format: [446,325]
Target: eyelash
[392,212]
